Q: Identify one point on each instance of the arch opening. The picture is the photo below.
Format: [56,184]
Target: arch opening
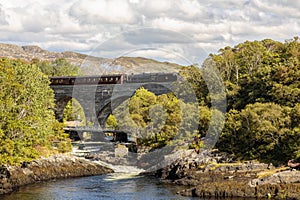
[122,101]
[145,115]
[70,112]
[74,114]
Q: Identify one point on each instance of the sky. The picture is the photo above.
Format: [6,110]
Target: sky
[182,31]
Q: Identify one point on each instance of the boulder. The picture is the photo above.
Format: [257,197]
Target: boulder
[277,178]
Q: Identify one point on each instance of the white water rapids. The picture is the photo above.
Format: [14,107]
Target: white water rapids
[120,171]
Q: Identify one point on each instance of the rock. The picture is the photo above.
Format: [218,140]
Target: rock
[121,151]
[221,189]
[293,164]
[278,178]
[54,167]
[209,176]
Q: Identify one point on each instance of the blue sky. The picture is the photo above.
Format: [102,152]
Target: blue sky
[180,31]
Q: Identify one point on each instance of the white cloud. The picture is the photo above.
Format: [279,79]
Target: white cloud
[284,9]
[102,11]
[161,54]
[3,17]
[156,8]
[117,25]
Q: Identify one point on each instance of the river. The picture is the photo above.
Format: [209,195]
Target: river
[124,184]
[111,186]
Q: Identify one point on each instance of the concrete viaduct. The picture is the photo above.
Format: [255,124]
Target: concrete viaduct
[100,95]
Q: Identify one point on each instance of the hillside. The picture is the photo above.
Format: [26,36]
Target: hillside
[89,64]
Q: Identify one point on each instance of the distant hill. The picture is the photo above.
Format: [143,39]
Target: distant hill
[89,64]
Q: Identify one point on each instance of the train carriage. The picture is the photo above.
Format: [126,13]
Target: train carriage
[87,80]
[114,79]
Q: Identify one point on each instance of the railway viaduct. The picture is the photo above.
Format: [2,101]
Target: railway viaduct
[100,95]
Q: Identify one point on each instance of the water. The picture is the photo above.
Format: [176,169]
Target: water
[112,186]
[124,184]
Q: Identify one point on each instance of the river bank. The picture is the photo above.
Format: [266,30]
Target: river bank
[44,169]
[211,173]
[206,174]
[214,174]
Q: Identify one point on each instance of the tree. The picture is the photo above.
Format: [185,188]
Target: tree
[156,120]
[195,82]
[74,112]
[112,123]
[227,64]
[260,131]
[27,123]
[141,102]
[59,67]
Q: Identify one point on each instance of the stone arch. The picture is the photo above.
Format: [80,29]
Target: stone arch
[157,89]
[112,103]
[61,105]
[108,107]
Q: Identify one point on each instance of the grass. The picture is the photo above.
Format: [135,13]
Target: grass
[217,165]
[267,173]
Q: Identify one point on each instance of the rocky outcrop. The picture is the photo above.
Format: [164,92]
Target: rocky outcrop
[284,177]
[215,174]
[54,167]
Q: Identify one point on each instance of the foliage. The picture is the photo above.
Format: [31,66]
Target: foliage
[59,67]
[262,79]
[260,71]
[155,120]
[262,131]
[259,132]
[27,120]
[111,122]
[74,112]
[194,80]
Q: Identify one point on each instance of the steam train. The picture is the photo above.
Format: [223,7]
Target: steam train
[114,79]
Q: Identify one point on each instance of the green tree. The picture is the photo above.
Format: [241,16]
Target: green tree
[112,123]
[141,102]
[195,82]
[74,112]
[260,131]
[27,122]
[156,120]
[59,67]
